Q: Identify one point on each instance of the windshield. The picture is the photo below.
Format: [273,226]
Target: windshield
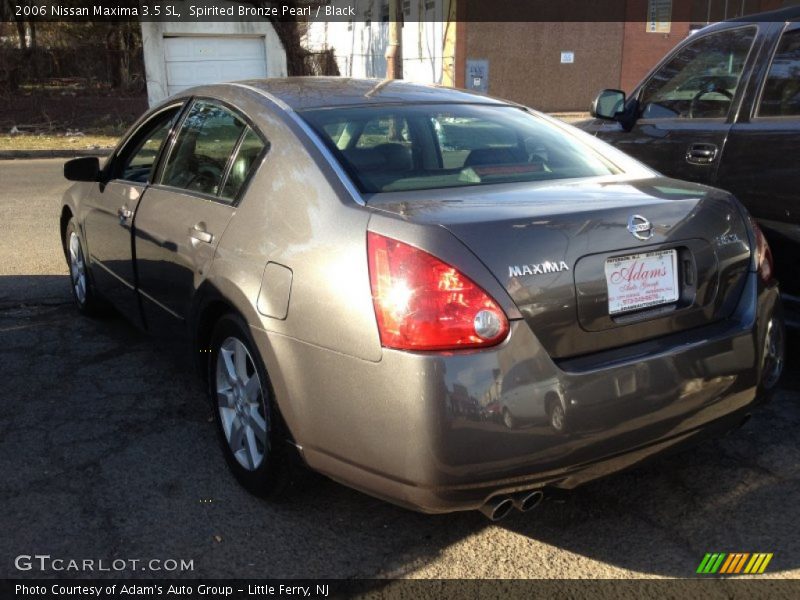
[419,147]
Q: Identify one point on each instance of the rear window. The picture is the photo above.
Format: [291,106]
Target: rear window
[395,148]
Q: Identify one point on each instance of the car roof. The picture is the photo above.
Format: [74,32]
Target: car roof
[301,93]
[791,13]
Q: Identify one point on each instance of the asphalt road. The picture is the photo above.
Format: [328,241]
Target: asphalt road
[107,451]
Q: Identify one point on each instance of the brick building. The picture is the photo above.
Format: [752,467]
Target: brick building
[554,55]
[560,65]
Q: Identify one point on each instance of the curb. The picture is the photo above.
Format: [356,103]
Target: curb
[18,154]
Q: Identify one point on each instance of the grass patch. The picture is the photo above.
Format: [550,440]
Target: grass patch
[57,142]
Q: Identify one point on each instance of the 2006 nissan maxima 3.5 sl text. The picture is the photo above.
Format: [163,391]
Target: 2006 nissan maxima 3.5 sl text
[447,301]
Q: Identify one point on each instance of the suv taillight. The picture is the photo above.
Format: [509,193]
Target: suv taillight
[422,303]
[763,255]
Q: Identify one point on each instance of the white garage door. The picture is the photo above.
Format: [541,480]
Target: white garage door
[200,60]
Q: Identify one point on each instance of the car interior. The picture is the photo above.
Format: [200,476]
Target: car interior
[406,151]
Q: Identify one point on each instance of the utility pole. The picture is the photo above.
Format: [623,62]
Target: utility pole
[394,51]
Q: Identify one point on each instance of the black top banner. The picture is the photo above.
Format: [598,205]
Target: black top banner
[696,11]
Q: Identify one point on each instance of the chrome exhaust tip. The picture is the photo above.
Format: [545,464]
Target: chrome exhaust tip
[528,500]
[497,508]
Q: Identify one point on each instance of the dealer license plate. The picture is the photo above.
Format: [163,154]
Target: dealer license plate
[641,280]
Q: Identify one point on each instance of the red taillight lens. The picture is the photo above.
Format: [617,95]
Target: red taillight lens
[763,255]
[422,303]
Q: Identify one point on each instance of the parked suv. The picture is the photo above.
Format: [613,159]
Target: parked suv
[723,108]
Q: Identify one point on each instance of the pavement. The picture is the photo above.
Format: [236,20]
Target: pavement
[107,451]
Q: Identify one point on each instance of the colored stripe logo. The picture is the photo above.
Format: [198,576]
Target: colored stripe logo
[735,563]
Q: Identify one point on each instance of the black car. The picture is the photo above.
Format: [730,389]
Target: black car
[723,108]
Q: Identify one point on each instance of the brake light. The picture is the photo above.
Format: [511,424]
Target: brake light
[422,303]
[763,255]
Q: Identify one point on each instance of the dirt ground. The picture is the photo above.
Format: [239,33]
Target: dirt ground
[55,110]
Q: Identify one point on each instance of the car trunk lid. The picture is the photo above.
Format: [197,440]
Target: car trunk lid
[555,247]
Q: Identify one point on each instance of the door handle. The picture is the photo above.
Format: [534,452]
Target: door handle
[201,235]
[701,154]
[124,213]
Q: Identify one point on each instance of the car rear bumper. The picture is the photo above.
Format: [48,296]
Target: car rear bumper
[425,430]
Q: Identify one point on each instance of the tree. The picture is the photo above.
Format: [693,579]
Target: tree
[289,31]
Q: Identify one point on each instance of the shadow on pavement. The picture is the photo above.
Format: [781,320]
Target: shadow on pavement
[734,494]
[108,451]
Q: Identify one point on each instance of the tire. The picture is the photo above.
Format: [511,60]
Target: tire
[86,298]
[773,357]
[556,416]
[508,419]
[248,424]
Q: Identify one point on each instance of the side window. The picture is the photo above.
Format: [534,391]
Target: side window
[781,96]
[701,80]
[243,164]
[137,162]
[206,141]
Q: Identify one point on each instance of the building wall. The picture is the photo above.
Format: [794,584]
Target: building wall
[359,46]
[642,49]
[525,60]
[153,34]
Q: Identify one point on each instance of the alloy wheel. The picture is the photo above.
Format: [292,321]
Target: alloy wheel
[77,268]
[773,355]
[241,404]
[557,418]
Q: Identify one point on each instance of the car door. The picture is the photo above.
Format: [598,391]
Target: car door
[761,163]
[108,211]
[182,217]
[685,108]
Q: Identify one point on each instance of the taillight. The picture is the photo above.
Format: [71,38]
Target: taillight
[422,303]
[763,255]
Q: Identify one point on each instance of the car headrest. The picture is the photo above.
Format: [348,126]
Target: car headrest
[383,157]
[397,156]
[364,159]
[495,156]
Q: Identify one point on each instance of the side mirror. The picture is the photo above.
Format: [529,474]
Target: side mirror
[608,104]
[82,169]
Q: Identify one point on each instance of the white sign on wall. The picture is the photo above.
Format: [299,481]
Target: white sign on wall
[567,57]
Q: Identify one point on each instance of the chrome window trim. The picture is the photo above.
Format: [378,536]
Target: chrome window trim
[248,124]
[168,140]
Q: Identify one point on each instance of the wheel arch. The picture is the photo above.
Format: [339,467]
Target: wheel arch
[208,306]
[551,398]
[215,298]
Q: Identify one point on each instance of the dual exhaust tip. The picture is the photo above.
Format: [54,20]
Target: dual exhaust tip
[501,506]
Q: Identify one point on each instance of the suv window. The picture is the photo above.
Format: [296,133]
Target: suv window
[206,141]
[700,81]
[781,97]
[138,161]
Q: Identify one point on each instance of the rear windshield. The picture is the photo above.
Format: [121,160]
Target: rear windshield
[419,147]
